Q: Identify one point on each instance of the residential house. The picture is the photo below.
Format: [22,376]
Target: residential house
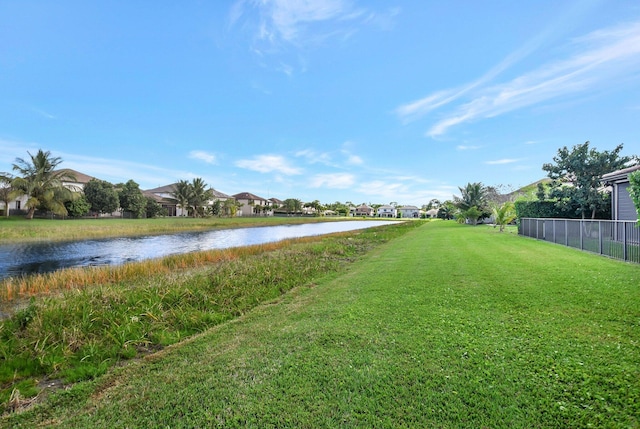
[164,196]
[387,211]
[364,210]
[431,214]
[253,205]
[276,203]
[411,212]
[18,205]
[622,206]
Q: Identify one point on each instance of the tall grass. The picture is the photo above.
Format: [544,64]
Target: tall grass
[99,316]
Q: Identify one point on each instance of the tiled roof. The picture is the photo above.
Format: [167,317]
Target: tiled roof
[247,196]
[80,177]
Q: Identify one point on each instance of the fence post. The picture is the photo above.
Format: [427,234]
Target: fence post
[581,235]
[624,240]
[600,236]
[553,226]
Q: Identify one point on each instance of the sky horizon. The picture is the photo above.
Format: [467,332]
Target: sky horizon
[331,100]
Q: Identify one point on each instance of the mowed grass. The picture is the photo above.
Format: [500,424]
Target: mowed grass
[447,326]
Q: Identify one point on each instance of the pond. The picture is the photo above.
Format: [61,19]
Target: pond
[29,258]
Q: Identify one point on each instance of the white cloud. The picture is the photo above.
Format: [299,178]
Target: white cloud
[598,59]
[201,155]
[502,161]
[333,181]
[314,157]
[268,164]
[464,147]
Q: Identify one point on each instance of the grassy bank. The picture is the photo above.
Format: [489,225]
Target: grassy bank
[19,229]
[108,314]
[447,326]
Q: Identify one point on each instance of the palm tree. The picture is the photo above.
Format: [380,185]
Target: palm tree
[199,196]
[42,183]
[7,192]
[471,195]
[181,194]
[504,214]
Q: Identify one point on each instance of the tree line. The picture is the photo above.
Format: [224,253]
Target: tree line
[574,189]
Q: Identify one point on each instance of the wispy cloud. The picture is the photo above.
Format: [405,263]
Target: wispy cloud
[333,181]
[269,164]
[502,161]
[201,155]
[315,157]
[464,147]
[597,59]
[44,114]
[278,25]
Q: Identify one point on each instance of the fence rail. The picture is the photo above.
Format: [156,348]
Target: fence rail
[616,239]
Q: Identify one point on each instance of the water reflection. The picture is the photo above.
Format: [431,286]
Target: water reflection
[29,258]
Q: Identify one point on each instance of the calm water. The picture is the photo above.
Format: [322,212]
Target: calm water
[20,259]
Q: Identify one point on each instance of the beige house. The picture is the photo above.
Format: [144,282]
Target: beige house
[253,205]
[410,212]
[164,196]
[364,210]
[18,205]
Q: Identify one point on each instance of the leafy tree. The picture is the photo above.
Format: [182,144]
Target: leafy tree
[634,190]
[42,183]
[132,200]
[292,205]
[153,209]
[582,168]
[78,207]
[504,214]
[102,196]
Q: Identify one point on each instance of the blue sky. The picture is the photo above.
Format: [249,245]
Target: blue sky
[334,100]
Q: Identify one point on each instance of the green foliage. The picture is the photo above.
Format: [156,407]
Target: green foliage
[39,179]
[193,197]
[473,195]
[102,196]
[582,168]
[472,214]
[78,207]
[567,209]
[153,209]
[447,210]
[634,190]
[504,214]
[292,205]
[132,200]
[181,194]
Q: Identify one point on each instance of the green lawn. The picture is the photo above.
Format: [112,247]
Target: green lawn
[448,326]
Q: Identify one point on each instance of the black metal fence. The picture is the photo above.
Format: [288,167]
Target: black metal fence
[616,239]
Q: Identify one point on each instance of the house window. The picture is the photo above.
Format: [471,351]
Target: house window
[18,204]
